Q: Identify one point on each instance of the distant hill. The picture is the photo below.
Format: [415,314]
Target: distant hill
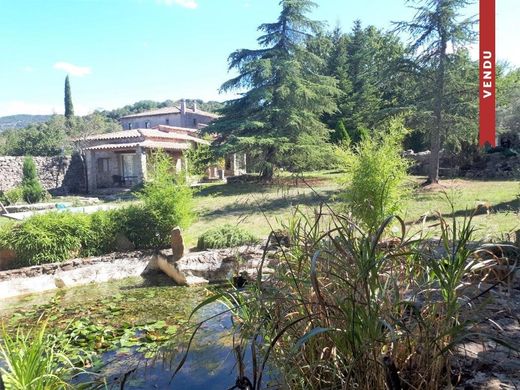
[21,121]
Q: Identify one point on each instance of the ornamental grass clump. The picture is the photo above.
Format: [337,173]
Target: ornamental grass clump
[352,308]
[31,361]
[376,173]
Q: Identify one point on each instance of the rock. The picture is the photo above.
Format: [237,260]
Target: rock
[59,283]
[177,244]
[123,244]
[212,266]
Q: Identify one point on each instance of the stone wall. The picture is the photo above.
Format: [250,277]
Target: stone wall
[58,175]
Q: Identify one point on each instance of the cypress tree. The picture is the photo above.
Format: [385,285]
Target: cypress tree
[69,108]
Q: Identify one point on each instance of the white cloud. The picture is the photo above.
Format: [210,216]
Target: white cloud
[27,69]
[192,4]
[73,69]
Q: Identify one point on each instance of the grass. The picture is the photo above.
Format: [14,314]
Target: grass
[257,207]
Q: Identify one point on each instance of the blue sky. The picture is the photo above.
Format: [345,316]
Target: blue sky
[121,51]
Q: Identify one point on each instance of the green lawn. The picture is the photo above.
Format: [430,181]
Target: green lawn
[259,207]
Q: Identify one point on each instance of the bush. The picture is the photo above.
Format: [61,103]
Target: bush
[376,173]
[11,196]
[225,236]
[199,159]
[140,225]
[33,191]
[167,202]
[47,238]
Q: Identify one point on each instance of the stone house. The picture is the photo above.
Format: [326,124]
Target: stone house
[121,159]
[182,116]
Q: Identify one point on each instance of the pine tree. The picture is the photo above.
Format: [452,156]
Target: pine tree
[278,117]
[340,135]
[69,108]
[435,28]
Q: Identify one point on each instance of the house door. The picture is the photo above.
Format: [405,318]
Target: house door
[129,175]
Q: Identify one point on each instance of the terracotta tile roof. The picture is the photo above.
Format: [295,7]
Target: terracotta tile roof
[169,128]
[116,135]
[165,145]
[144,134]
[114,146]
[148,144]
[154,133]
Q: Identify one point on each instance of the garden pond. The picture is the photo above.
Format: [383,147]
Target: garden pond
[116,330]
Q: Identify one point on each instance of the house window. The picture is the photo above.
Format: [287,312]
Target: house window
[194,122]
[167,121]
[103,165]
[147,124]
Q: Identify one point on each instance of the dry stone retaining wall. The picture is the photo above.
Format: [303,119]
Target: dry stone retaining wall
[59,175]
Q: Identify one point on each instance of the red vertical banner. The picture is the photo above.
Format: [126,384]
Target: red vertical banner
[487,69]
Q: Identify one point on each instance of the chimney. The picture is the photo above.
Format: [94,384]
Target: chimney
[183,106]
[194,106]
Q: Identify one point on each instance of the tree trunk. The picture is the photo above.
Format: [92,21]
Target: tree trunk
[267,171]
[433,175]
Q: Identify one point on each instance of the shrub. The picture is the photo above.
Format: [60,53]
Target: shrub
[167,201]
[225,236]
[140,225]
[33,191]
[199,159]
[376,173]
[48,238]
[102,235]
[11,196]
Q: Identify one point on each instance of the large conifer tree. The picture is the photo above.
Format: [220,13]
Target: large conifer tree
[436,32]
[278,116]
[69,108]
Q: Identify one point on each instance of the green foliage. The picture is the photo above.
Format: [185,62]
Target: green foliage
[167,200]
[69,108]
[376,173]
[225,236]
[279,115]
[41,139]
[366,64]
[47,238]
[32,189]
[434,29]
[346,304]
[11,196]
[33,362]
[199,158]
[340,134]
